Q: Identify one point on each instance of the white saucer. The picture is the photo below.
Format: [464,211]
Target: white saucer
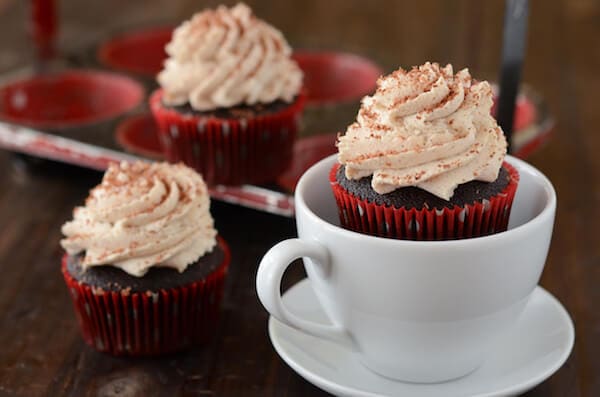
[537,346]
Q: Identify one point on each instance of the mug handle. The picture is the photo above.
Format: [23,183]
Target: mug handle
[268,284]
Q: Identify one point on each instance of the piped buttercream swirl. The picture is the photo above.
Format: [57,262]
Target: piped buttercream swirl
[428,128]
[226,57]
[143,215]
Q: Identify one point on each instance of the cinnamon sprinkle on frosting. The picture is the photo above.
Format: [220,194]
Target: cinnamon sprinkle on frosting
[429,128]
[226,57]
[143,215]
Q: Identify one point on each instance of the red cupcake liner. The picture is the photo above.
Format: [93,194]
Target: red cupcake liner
[474,220]
[229,151]
[149,323]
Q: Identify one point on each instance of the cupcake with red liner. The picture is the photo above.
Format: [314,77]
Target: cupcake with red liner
[143,261]
[425,159]
[230,97]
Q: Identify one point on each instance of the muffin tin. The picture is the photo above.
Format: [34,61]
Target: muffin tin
[68,98]
[139,52]
[334,83]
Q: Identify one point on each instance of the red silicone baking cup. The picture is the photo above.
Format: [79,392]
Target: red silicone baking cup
[474,220]
[229,151]
[149,323]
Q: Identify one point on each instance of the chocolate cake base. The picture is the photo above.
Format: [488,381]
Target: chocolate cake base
[413,197]
[110,278]
[235,112]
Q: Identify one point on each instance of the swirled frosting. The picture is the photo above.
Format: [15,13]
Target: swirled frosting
[143,215]
[428,128]
[226,57]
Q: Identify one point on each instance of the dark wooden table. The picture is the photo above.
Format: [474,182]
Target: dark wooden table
[41,352]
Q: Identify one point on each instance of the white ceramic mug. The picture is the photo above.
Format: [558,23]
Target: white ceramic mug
[419,311]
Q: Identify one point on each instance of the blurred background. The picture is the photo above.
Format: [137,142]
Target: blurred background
[391,32]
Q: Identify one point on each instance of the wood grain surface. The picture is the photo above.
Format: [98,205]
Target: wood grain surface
[41,351]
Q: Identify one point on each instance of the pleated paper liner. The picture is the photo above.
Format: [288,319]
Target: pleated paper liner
[474,220]
[229,151]
[149,323]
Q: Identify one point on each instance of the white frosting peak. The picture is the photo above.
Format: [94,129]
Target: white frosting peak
[143,215]
[226,57]
[428,128]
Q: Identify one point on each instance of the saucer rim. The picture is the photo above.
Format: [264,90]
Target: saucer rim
[339,389]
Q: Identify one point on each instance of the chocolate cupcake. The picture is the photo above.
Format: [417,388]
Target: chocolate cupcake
[425,160]
[143,262]
[230,97]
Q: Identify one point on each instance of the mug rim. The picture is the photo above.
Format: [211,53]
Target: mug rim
[520,230]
